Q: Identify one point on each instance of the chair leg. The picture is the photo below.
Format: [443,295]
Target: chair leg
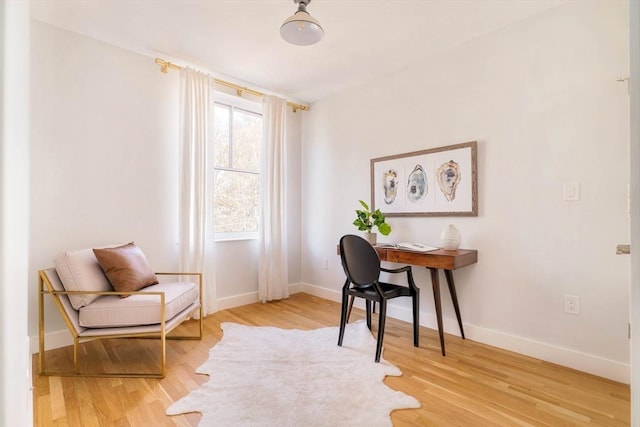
[368,306]
[416,319]
[76,369]
[351,300]
[381,320]
[343,314]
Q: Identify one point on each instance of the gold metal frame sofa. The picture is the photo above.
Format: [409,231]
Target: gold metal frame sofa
[111,292]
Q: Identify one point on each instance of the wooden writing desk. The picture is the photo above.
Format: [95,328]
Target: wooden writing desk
[434,261]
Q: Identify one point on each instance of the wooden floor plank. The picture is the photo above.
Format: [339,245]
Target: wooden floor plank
[474,385]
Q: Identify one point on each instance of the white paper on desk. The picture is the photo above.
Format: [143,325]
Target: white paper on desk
[418,247]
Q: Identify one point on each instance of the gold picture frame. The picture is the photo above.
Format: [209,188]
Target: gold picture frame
[440,181]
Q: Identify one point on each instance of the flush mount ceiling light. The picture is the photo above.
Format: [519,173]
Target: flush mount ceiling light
[301,28]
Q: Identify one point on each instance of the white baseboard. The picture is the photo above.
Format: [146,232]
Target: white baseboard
[607,368]
[251,297]
[320,292]
[237,300]
[592,364]
[596,365]
[55,339]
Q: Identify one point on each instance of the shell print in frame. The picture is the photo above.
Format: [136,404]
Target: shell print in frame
[417,187]
[390,185]
[448,176]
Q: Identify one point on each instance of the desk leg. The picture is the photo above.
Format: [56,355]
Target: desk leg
[454,297]
[435,282]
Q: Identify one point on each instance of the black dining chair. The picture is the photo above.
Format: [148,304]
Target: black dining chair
[361,264]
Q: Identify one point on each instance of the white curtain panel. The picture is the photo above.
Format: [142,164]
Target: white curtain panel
[196,234]
[273,282]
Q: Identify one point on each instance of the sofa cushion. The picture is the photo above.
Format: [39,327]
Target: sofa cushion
[79,271]
[126,267]
[140,309]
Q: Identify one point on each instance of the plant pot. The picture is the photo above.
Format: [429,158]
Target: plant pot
[372,238]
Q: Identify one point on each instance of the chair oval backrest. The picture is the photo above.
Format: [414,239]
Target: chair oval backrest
[360,260]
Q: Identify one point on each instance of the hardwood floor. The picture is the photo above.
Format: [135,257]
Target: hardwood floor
[474,385]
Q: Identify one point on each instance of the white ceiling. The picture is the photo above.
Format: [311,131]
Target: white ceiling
[240,40]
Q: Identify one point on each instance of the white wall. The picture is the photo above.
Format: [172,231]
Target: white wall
[15,364]
[541,99]
[103,155]
[104,164]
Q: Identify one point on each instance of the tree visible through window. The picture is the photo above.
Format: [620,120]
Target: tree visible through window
[238,141]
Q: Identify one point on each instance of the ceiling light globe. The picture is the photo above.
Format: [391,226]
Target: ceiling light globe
[301,29]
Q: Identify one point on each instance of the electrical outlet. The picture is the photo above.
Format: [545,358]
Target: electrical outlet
[571,304]
[324,263]
[571,191]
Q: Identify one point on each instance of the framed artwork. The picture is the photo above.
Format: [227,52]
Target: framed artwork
[435,182]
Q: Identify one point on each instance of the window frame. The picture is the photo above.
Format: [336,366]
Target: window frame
[253,107]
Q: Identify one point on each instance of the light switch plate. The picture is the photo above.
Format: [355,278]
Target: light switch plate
[571,191]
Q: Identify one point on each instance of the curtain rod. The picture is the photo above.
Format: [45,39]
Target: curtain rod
[166,65]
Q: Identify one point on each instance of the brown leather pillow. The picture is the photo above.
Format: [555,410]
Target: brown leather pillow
[126,267]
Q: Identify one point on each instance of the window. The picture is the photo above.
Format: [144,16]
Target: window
[238,146]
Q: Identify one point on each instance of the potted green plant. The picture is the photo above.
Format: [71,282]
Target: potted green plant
[366,220]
